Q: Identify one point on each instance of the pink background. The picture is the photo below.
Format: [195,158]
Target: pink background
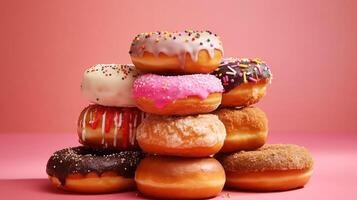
[310,45]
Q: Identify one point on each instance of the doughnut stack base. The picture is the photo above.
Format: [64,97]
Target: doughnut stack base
[273,167]
[181,134]
[176,178]
[85,170]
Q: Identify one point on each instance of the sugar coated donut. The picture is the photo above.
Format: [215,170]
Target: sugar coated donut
[177,52]
[109,84]
[81,169]
[179,178]
[109,127]
[272,167]
[191,136]
[177,95]
[247,128]
[244,81]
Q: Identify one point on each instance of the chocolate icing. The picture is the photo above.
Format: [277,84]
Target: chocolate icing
[83,160]
[234,71]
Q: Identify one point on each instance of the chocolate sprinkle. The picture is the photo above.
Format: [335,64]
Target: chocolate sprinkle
[83,160]
[233,72]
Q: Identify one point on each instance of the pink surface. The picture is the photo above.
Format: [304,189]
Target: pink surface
[309,44]
[22,169]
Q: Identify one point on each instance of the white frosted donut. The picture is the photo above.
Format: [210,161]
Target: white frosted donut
[109,84]
[184,52]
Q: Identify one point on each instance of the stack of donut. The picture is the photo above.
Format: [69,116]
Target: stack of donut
[107,130]
[249,163]
[180,135]
[178,124]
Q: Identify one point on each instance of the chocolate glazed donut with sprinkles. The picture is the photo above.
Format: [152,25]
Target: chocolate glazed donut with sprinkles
[244,81]
[82,169]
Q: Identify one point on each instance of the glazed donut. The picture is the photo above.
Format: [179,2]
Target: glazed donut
[191,136]
[272,167]
[244,81]
[109,84]
[185,52]
[83,170]
[177,95]
[247,128]
[109,127]
[179,178]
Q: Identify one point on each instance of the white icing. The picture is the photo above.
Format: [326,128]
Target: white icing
[109,84]
[90,117]
[130,132]
[115,129]
[120,119]
[176,44]
[103,127]
[84,125]
[133,132]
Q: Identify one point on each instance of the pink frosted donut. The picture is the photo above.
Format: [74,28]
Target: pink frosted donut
[177,95]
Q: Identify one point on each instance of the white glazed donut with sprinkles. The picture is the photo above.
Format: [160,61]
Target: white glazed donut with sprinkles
[183,52]
[109,84]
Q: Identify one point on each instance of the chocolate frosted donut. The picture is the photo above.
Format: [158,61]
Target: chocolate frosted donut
[244,80]
[69,165]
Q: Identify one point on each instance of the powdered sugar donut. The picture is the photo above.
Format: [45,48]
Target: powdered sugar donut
[189,136]
[177,95]
[179,52]
[109,84]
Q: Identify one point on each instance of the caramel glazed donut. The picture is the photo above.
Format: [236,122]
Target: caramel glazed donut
[177,95]
[272,167]
[179,178]
[80,169]
[109,127]
[247,128]
[185,52]
[244,81]
[191,136]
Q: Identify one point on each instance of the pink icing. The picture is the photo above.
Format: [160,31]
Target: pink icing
[165,89]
